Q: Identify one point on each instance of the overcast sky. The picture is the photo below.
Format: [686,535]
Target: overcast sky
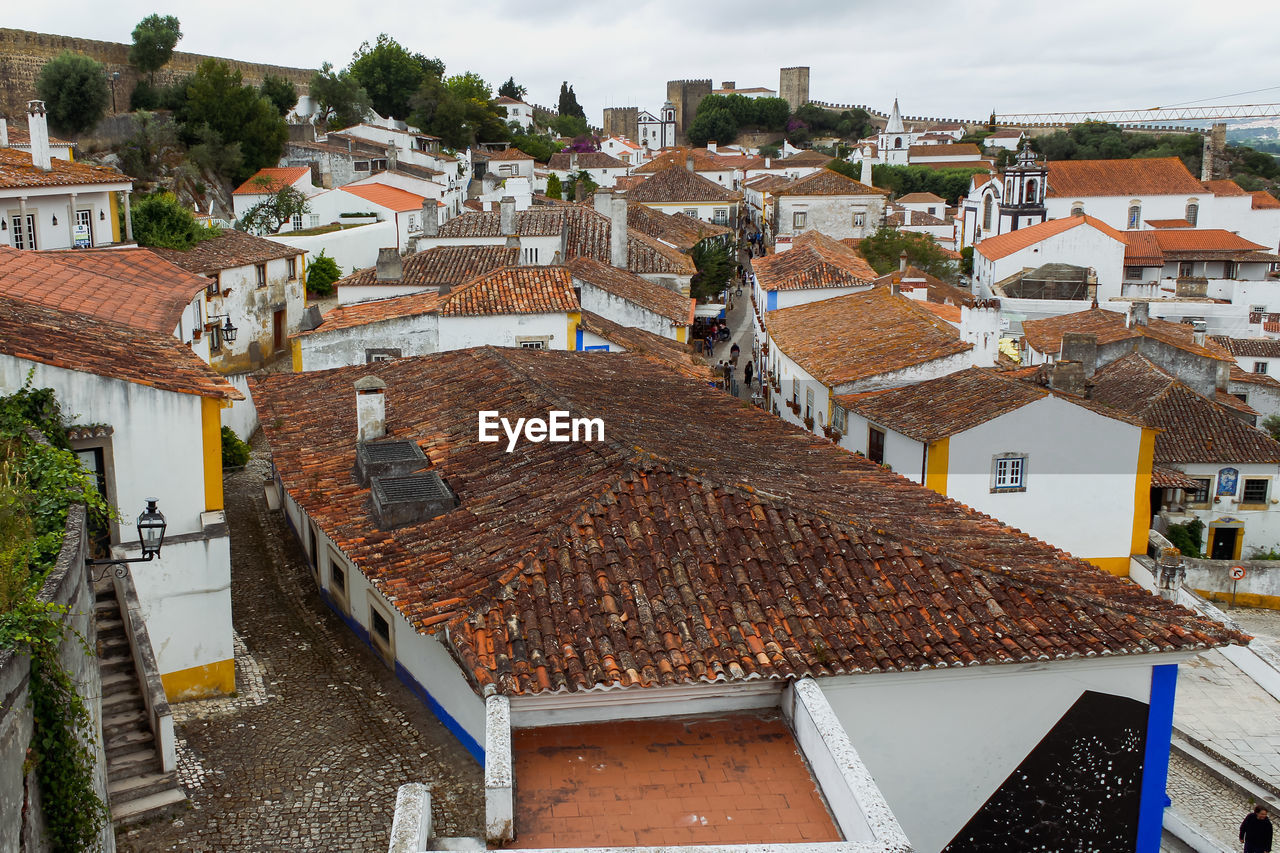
[940,58]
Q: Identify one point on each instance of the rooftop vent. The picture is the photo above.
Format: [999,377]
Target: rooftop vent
[388,459]
[398,501]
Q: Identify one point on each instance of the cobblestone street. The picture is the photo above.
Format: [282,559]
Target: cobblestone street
[309,754]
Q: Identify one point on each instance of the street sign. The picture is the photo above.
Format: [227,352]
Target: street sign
[1237,573]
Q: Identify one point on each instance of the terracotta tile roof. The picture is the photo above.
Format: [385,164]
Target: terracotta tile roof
[441,266]
[1045,335]
[536,221]
[229,249]
[859,335]
[1142,250]
[1263,200]
[898,219]
[1169,478]
[677,184]
[983,164]
[16,172]
[1224,187]
[827,182]
[510,154]
[960,401]
[939,291]
[20,136]
[954,149]
[982,178]
[1251,378]
[503,99]
[130,287]
[683,232]
[669,555]
[1231,401]
[268,181]
[814,260]
[78,342]
[652,297]
[1138,177]
[921,198]
[1168,223]
[1194,429]
[768,183]
[703,161]
[1154,248]
[377,311]
[1249,347]
[670,354]
[559,161]
[1007,134]
[950,313]
[392,198]
[1003,245]
[802,158]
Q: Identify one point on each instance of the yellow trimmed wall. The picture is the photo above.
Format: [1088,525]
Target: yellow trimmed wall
[211,434]
[1243,599]
[213,679]
[1142,493]
[937,463]
[1118,566]
[575,317]
[115,216]
[296,347]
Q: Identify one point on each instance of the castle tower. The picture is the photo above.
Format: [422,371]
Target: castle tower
[685,95]
[622,121]
[1024,189]
[793,86]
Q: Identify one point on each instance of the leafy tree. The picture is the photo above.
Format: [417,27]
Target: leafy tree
[163,222]
[715,267]
[579,180]
[340,99]
[770,150]
[511,89]
[217,98]
[235,453]
[1098,140]
[148,96]
[901,180]
[883,249]
[281,92]
[568,104]
[469,86]
[554,191]
[212,155]
[154,39]
[539,147]
[459,111]
[1271,423]
[771,113]
[570,127]
[391,74]
[141,153]
[966,260]
[1187,537]
[322,272]
[269,215]
[717,124]
[75,92]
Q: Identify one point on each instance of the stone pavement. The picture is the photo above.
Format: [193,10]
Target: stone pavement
[1205,801]
[743,334]
[309,753]
[1227,711]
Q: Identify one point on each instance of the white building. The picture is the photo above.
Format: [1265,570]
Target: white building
[814,267]
[155,412]
[657,131]
[827,201]
[438,269]
[630,300]
[265,183]
[516,111]
[51,202]
[604,169]
[1080,241]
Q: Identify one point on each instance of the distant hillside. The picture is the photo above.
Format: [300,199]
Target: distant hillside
[23,53]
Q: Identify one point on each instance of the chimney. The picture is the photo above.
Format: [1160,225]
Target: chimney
[430,218]
[618,233]
[390,267]
[1140,314]
[573,161]
[507,216]
[38,128]
[902,262]
[711,146]
[1067,377]
[1198,332]
[393,157]
[1082,348]
[4,132]
[906,216]
[603,202]
[688,161]
[767,160]
[371,408]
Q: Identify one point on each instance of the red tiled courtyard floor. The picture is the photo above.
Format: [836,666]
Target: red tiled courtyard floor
[699,780]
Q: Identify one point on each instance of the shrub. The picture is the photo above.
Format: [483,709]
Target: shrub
[322,272]
[235,453]
[1188,537]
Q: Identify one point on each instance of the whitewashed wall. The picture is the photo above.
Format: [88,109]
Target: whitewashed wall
[322,350]
[353,248]
[1082,246]
[504,330]
[624,313]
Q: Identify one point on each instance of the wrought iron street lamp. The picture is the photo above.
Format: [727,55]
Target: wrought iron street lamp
[151,527]
[227,330]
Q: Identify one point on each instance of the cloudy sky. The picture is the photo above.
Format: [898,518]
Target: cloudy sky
[940,58]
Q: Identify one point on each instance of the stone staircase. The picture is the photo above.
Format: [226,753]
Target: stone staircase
[137,785]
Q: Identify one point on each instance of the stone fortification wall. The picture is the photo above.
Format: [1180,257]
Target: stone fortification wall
[23,53]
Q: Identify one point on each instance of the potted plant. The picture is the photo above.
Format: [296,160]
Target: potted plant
[808,422]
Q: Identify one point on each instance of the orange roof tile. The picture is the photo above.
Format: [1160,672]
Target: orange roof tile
[73,341]
[1045,335]
[1138,177]
[131,287]
[16,171]
[676,184]
[271,180]
[392,198]
[853,337]
[440,266]
[513,290]
[954,149]
[229,249]
[1168,223]
[1003,245]
[814,260]
[827,182]
[1154,248]
[1263,200]
[511,153]
[670,354]
[652,297]
[668,555]
[1224,187]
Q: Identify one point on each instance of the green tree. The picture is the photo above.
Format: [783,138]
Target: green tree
[75,92]
[715,266]
[235,453]
[1271,423]
[570,127]
[469,86]
[568,104]
[771,150]
[141,153]
[212,155]
[281,92]
[554,191]
[390,74]
[716,124]
[154,39]
[340,99]
[218,99]
[771,113]
[269,215]
[511,89]
[884,248]
[322,272]
[163,222]
[1187,537]
[539,147]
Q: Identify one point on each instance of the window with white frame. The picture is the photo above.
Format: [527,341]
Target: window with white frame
[1199,494]
[1077,209]
[1193,212]
[291,267]
[1228,269]
[690,211]
[1009,473]
[1259,367]
[798,219]
[808,402]
[296,222]
[24,237]
[839,417]
[314,221]
[859,218]
[1135,215]
[721,216]
[260,274]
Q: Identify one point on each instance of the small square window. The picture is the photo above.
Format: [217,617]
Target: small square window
[1256,491]
[1009,473]
[381,627]
[798,219]
[1199,494]
[1133,273]
[533,344]
[339,577]
[261,271]
[1259,367]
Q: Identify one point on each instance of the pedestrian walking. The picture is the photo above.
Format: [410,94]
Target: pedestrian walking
[733,353]
[747,373]
[1255,832]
